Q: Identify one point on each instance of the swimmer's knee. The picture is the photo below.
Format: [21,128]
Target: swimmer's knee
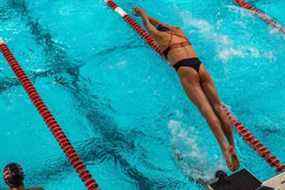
[218,107]
[210,117]
[215,122]
[204,110]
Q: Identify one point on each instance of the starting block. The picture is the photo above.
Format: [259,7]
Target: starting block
[276,183]
[244,180]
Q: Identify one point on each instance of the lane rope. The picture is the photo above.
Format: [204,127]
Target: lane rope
[255,144]
[142,33]
[245,133]
[52,124]
[261,14]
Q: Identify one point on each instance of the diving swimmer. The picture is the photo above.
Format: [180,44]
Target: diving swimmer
[196,81]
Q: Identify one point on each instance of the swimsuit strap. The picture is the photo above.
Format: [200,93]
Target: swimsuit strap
[181,36]
[179,45]
[170,39]
[176,45]
[166,51]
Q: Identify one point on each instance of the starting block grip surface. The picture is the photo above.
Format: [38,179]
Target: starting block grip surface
[240,180]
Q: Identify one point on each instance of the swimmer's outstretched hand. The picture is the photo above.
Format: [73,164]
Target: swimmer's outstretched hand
[139,11]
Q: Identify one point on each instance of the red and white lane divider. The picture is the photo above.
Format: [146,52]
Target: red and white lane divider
[262,150]
[266,18]
[141,32]
[245,133]
[54,127]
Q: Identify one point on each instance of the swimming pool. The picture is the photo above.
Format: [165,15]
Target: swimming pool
[121,106]
[273,9]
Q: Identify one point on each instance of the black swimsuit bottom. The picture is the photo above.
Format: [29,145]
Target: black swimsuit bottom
[190,62]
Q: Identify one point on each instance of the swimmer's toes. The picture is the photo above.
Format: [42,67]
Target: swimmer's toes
[234,159]
[237,163]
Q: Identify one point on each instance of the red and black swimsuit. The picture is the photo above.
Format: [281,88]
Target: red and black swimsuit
[189,62]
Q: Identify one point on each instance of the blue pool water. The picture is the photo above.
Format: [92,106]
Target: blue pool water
[274,8]
[121,106]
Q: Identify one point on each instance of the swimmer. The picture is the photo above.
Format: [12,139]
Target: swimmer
[196,81]
[14,177]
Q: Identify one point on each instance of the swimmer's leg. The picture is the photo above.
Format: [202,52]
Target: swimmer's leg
[211,92]
[191,83]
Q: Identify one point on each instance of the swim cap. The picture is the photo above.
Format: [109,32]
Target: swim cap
[13,175]
[162,28]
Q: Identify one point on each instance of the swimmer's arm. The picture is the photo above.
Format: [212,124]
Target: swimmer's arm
[154,21]
[149,26]
[157,22]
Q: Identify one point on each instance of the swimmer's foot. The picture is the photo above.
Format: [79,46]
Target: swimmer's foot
[232,159]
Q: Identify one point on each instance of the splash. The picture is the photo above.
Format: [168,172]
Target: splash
[226,48]
[190,155]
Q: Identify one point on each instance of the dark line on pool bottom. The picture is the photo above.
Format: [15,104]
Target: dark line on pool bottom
[90,150]
[57,54]
[117,140]
[92,116]
[8,82]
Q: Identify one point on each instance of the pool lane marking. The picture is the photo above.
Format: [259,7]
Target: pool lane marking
[241,129]
[121,12]
[141,32]
[266,18]
[54,127]
[261,149]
